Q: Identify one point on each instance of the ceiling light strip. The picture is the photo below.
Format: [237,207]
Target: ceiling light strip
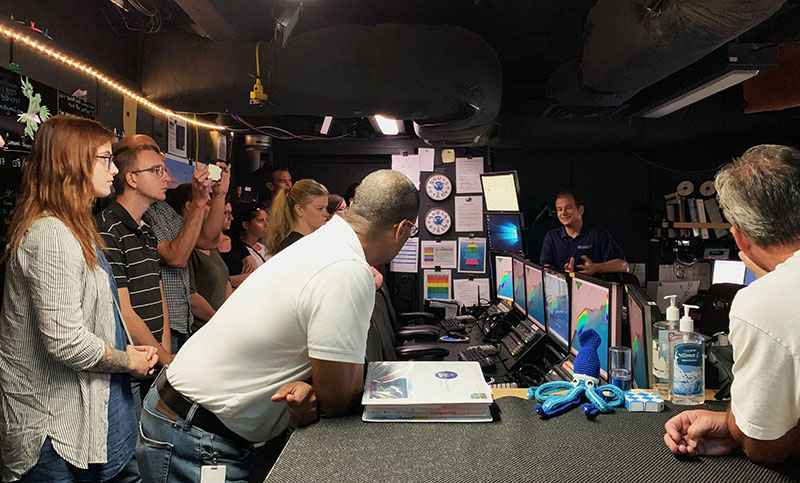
[77,65]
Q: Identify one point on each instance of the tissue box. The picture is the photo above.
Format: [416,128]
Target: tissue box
[648,402]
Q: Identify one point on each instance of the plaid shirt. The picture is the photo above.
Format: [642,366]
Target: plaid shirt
[166,224]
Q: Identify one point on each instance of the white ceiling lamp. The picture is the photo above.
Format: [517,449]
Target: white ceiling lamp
[724,81]
[326,125]
[387,125]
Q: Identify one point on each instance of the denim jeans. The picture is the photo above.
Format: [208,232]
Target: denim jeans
[177,340]
[175,451]
[52,468]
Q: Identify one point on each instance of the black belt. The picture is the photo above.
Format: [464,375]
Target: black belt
[203,418]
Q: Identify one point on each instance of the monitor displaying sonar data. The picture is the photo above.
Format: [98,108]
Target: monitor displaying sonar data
[636,325]
[590,310]
[556,297]
[503,277]
[520,301]
[534,290]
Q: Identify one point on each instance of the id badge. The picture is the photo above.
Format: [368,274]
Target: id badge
[212,474]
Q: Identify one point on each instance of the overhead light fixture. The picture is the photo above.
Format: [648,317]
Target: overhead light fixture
[77,65]
[728,79]
[326,125]
[388,126]
[726,67]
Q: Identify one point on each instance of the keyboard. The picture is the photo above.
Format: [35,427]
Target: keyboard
[482,354]
[504,385]
[451,325]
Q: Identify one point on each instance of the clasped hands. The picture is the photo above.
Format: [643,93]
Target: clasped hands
[588,266]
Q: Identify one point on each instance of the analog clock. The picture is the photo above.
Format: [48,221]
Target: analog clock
[438,187]
[437,221]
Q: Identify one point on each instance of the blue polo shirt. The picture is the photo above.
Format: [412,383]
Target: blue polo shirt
[593,241]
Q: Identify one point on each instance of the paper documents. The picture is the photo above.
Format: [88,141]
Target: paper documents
[468,175]
[416,391]
[406,260]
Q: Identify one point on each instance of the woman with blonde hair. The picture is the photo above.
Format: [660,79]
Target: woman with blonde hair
[65,397]
[296,212]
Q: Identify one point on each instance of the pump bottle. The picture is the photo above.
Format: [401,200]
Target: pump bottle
[661,331]
[687,363]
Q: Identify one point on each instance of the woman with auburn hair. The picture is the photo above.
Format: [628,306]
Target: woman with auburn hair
[296,212]
[65,397]
[336,206]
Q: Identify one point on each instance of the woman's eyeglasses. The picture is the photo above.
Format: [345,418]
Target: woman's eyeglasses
[109,158]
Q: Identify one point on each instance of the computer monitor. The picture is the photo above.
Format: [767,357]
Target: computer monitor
[518,269]
[504,232]
[556,312]
[503,266]
[595,304]
[534,290]
[642,314]
[728,271]
[749,276]
[501,191]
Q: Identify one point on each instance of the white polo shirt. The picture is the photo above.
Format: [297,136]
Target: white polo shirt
[765,335]
[312,300]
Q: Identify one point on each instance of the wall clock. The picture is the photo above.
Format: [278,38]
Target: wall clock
[437,221]
[438,187]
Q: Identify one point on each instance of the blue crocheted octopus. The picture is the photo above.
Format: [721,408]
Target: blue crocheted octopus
[584,385]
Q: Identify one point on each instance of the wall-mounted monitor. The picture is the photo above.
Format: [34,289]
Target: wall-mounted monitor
[504,284]
[595,305]
[504,232]
[556,312]
[534,292]
[501,191]
[520,302]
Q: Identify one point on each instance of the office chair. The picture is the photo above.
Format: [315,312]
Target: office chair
[716,308]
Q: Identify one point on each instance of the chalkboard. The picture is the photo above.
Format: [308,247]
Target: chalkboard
[68,104]
[11,165]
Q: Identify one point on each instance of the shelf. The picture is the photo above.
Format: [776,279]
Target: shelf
[685,224]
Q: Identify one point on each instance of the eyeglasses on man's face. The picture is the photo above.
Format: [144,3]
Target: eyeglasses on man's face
[159,170]
[109,159]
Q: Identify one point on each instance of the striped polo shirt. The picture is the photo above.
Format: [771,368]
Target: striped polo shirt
[132,252]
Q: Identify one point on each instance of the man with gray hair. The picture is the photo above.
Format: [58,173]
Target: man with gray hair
[760,195]
[303,316]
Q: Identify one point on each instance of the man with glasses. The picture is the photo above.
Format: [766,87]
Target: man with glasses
[131,249]
[177,237]
[242,378]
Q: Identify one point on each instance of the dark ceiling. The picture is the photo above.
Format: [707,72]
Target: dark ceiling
[500,73]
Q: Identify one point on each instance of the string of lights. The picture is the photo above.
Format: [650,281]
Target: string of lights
[101,77]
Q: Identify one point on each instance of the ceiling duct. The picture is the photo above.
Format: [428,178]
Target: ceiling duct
[628,47]
[446,79]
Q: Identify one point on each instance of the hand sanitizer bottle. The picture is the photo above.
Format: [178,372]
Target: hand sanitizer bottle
[661,331]
[687,363]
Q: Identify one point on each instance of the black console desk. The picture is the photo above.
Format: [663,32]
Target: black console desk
[623,447]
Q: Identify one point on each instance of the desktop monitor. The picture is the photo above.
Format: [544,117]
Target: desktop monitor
[642,314]
[556,312]
[534,290]
[501,191]
[518,270]
[503,277]
[595,305]
[728,271]
[504,232]
[749,276]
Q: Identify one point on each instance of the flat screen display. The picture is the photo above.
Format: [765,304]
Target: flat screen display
[590,310]
[503,277]
[520,301]
[728,271]
[556,296]
[638,345]
[504,231]
[534,290]
[500,191]
[749,276]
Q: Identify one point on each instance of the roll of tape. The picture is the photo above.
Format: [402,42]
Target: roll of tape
[707,188]
[685,188]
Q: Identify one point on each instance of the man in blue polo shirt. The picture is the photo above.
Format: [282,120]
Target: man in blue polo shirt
[578,247]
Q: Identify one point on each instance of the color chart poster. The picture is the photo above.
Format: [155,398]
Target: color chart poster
[440,254]
[437,284]
[471,255]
